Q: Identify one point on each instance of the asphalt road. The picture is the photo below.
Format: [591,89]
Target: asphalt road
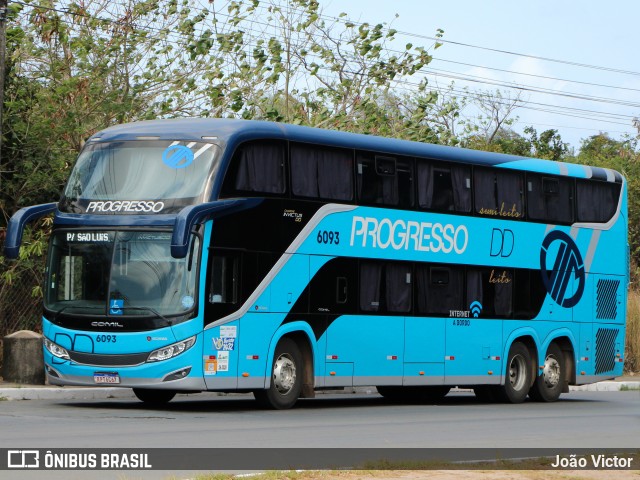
[578,420]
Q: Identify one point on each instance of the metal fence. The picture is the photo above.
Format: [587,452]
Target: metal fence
[21,303]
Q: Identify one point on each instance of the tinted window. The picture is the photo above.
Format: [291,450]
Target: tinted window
[596,201]
[492,288]
[439,289]
[444,187]
[385,287]
[259,167]
[385,180]
[550,199]
[498,193]
[333,288]
[318,172]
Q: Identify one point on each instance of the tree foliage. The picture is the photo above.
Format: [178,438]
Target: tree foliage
[78,66]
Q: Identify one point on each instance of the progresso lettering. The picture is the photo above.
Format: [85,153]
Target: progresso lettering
[409,235]
[125,206]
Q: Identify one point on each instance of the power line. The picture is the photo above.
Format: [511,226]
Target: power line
[461,77]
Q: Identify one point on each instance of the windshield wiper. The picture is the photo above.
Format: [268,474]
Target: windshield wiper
[149,309]
[59,312]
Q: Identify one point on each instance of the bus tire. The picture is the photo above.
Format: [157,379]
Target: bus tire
[286,377]
[518,374]
[154,396]
[549,385]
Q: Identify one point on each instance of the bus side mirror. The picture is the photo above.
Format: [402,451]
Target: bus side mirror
[16,225]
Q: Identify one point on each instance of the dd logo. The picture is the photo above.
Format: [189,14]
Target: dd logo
[502,242]
[567,265]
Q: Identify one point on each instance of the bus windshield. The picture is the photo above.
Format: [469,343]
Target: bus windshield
[119,273]
[145,176]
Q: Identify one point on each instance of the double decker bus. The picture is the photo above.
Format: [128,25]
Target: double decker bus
[224,255]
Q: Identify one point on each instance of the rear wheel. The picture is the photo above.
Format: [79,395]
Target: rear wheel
[286,377]
[549,385]
[518,379]
[154,396]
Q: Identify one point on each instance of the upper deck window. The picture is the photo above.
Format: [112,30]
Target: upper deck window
[140,176]
[597,200]
[385,180]
[499,193]
[550,199]
[260,168]
[444,187]
[319,172]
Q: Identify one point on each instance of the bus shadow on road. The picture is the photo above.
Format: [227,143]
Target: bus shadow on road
[208,402]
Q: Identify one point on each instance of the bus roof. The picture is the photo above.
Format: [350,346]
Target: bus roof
[231,132]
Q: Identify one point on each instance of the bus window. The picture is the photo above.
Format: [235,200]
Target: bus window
[370,283]
[223,287]
[444,187]
[493,289]
[331,289]
[498,193]
[439,289]
[596,201]
[260,168]
[398,291]
[318,172]
[384,180]
[550,199]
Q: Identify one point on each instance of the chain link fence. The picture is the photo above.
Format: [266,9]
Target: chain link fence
[21,303]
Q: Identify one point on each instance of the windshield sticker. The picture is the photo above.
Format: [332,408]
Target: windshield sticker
[177,156]
[115,307]
[142,206]
[93,237]
[187,302]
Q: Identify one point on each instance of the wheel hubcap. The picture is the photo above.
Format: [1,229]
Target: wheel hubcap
[551,371]
[517,372]
[284,374]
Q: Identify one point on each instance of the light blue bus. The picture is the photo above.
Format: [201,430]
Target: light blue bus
[225,255]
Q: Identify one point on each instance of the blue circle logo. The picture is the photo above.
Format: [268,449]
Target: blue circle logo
[177,156]
[567,265]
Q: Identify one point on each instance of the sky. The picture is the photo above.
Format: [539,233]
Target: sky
[600,35]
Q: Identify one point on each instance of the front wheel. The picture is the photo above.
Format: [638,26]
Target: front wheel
[154,396]
[286,377]
[549,385]
[518,379]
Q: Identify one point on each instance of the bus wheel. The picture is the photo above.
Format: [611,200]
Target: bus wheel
[518,380]
[549,385]
[286,377]
[154,397]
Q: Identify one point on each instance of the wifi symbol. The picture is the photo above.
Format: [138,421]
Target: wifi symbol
[476,308]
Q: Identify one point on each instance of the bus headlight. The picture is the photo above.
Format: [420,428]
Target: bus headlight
[170,351]
[55,349]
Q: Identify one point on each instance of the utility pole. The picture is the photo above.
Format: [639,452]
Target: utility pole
[3,53]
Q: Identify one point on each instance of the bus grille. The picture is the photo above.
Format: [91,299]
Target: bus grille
[101,360]
[607,299]
[606,350]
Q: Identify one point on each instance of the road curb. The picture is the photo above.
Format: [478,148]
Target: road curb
[105,393]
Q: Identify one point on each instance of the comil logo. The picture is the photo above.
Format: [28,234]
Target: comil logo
[566,278]
[23,459]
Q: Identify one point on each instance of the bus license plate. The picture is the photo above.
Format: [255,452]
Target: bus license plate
[106,377]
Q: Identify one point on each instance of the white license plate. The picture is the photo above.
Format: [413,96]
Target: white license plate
[110,378]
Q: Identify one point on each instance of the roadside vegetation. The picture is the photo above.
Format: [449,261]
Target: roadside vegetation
[76,68]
